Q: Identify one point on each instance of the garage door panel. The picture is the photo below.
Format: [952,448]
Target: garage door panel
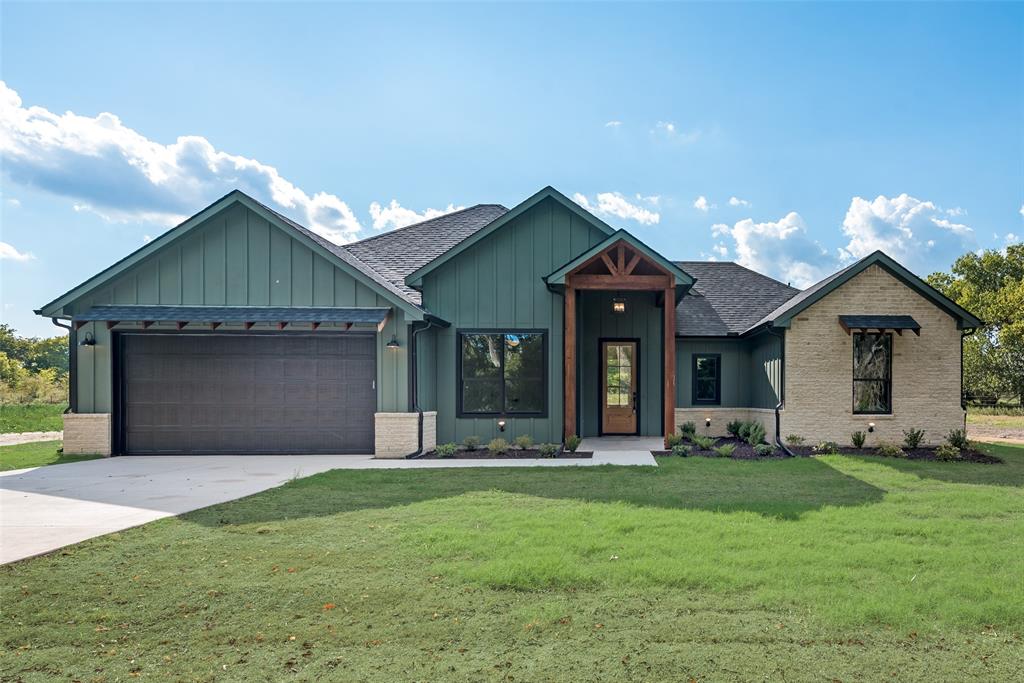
[234,393]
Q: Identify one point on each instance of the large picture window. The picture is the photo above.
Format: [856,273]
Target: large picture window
[503,373]
[872,373]
[707,379]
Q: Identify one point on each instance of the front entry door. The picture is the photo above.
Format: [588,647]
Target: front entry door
[618,387]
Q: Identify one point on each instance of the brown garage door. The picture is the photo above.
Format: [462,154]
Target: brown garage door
[235,393]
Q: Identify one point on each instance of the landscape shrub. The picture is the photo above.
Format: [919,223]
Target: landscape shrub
[890,450]
[912,438]
[548,450]
[688,429]
[826,447]
[446,450]
[524,442]
[764,449]
[755,433]
[673,440]
[725,450]
[947,452]
[858,438]
[572,443]
[471,443]
[498,446]
[704,442]
[681,450]
[734,428]
[794,440]
[957,438]
[744,430]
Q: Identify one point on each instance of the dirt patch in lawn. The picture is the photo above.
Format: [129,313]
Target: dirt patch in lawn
[484,454]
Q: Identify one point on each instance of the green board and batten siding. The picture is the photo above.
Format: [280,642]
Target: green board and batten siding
[498,284]
[750,370]
[236,257]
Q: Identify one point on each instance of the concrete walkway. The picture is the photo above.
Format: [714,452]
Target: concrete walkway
[624,450]
[46,508]
[15,438]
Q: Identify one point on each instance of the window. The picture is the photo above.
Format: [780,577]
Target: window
[503,373]
[872,373]
[707,379]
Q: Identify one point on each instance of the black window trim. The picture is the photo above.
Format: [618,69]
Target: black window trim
[854,379]
[461,412]
[718,380]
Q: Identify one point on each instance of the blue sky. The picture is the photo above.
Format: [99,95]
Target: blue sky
[789,137]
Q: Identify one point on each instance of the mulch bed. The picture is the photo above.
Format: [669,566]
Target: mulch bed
[744,451]
[966,455]
[484,454]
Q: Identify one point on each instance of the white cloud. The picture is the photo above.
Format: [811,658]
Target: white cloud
[394,215]
[781,249]
[912,231]
[721,250]
[1012,238]
[9,253]
[118,173]
[653,199]
[146,239]
[1022,209]
[701,203]
[616,204]
[669,130]
[956,211]
[736,201]
[13,203]
[613,124]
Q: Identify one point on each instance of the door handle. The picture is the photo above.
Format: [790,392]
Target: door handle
[634,402]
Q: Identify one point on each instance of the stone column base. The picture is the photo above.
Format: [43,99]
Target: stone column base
[395,434]
[87,433]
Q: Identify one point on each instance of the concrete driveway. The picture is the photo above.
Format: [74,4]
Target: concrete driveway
[46,508]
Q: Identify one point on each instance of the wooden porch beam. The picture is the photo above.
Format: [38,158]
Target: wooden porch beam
[608,263]
[569,359]
[632,282]
[631,266]
[621,265]
[669,343]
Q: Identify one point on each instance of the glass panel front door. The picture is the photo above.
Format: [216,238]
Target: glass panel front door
[618,387]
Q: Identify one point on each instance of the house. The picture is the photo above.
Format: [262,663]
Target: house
[240,331]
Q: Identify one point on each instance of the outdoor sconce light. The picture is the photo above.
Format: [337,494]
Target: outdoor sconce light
[89,340]
[501,425]
[393,344]
[871,427]
[618,305]
[707,421]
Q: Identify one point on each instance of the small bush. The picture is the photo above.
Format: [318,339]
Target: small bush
[734,428]
[912,438]
[704,442]
[755,433]
[794,440]
[890,450]
[681,450]
[725,450]
[688,428]
[471,443]
[524,442]
[957,438]
[572,443]
[744,430]
[858,438]
[548,450]
[947,452]
[763,450]
[826,447]
[446,450]
[498,446]
[673,440]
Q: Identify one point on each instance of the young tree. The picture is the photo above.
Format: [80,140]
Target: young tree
[991,286]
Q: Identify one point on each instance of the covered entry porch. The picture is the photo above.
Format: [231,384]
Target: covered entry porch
[619,339]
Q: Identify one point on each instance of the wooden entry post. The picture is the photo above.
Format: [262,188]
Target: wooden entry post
[569,371]
[669,342]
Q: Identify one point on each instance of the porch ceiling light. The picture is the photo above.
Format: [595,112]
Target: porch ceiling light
[618,305]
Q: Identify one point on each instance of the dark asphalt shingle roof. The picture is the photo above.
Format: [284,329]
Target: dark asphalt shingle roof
[398,253]
[727,298]
[239,314]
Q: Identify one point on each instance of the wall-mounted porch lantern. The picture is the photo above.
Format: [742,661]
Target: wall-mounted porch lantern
[501,425]
[618,305]
[89,340]
[393,344]
[871,427]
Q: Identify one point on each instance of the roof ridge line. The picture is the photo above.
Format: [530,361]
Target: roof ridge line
[419,223]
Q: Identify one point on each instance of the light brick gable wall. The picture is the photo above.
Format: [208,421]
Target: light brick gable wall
[819,366]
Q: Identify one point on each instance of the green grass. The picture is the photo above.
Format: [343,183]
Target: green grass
[996,419]
[833,568]
[36,455]
[31,417]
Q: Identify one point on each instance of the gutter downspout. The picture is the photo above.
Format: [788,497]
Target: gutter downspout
[73,366]
[963,398]
[781,335]
[414,394]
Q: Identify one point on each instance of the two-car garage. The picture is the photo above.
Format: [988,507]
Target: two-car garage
[235,392]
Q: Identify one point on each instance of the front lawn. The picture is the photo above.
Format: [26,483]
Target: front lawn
[31,417]
[832,568]
[36,455]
